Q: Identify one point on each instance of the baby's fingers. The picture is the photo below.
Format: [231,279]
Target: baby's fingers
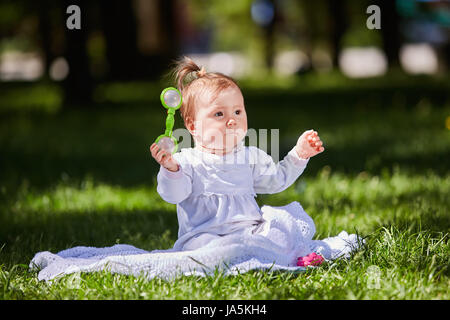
[166,157]
[154,149]
[155,154]
[311,138]
[160,155]
[307,134]
[315,142]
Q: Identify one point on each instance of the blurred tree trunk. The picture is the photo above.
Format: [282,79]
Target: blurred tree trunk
[311,32]
[447,56]
[390,31]
[338,26]
[167,25]
[78,85]
[158,30]
[120,31]
[269,32]
[45,31]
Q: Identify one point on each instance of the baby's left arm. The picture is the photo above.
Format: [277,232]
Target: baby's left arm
[269,177]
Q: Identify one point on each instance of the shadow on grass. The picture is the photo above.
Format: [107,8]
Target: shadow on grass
[428,221]
[146,230]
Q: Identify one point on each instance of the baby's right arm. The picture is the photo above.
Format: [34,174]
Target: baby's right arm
[174,181]
[164,158]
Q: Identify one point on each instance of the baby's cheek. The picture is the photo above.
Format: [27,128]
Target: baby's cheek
[213,136]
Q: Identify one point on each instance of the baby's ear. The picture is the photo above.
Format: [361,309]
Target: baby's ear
[190,125]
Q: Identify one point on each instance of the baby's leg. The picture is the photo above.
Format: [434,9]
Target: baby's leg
[199,241]
[339,246]
[322,248]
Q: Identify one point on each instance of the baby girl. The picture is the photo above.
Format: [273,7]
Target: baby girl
[214,186]
[215,183]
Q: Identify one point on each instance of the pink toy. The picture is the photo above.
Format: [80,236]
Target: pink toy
[312,259]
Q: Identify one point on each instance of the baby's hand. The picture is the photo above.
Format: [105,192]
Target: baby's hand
[164,158]
[309,144]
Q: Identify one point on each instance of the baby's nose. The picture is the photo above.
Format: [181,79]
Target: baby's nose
[231,123]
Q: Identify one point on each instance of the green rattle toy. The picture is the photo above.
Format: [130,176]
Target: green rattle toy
[171,100]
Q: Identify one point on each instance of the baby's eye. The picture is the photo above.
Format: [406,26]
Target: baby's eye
[238,111]
[218,114]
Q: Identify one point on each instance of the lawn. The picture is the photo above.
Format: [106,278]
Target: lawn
[84,176]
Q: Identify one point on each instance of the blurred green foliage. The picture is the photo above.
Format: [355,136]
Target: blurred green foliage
[367,125]
[10,13]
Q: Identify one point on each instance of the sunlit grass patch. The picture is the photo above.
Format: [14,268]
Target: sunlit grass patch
[337,201]
[40,98]
[395,213]
[395,264]
[90,196]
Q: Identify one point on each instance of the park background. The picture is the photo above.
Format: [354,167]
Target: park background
[80,108]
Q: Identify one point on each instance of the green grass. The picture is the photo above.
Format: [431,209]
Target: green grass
[85,177]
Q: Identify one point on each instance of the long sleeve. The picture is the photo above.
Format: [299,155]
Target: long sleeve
[174,187]
[269,177]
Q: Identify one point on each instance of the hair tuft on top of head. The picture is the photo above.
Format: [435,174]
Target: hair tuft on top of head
[185,71]
[193,81]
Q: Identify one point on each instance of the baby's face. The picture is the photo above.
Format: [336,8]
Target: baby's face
[220,124]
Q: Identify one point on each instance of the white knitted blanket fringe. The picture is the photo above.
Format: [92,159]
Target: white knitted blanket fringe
[284,238]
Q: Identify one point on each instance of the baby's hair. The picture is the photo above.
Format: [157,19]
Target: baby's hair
[192,80]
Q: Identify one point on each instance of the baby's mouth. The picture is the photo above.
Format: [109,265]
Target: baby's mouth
[233,132]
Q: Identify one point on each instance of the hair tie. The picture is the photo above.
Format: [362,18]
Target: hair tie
[201,72]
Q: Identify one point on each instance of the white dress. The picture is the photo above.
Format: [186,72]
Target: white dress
[215,194]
